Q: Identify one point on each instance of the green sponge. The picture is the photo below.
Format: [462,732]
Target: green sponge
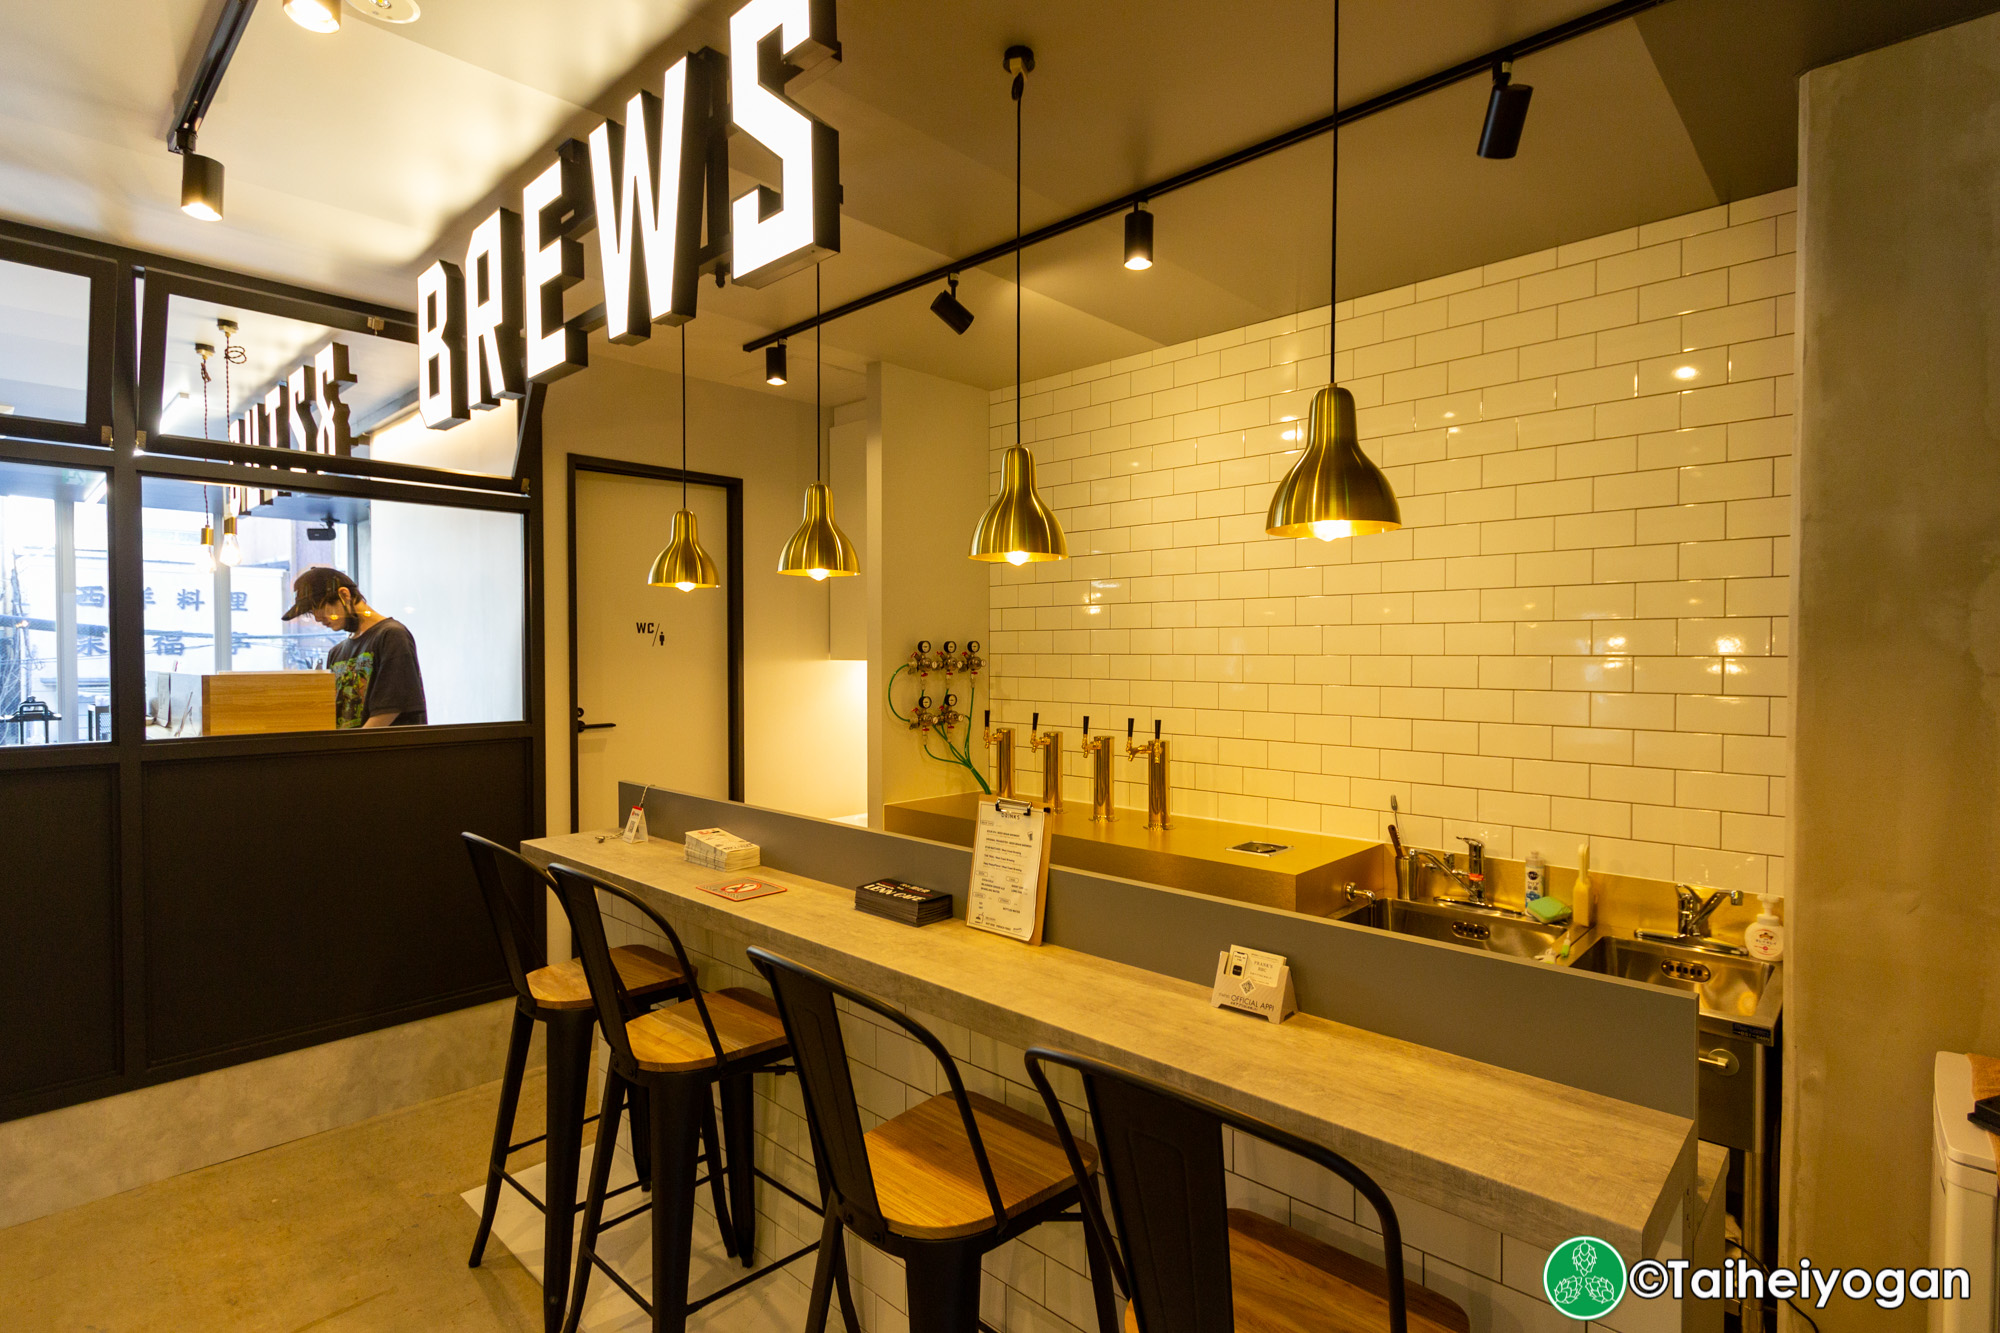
[1546,908]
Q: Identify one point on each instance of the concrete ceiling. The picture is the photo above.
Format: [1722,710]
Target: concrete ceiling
[356,158]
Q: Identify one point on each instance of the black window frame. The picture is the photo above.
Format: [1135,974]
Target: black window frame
[119,437]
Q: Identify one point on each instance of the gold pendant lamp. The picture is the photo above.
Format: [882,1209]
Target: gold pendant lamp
[819,549]
[1333,490]
[1017,526]
[683,564]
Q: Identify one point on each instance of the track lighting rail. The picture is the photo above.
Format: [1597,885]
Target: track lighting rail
[230,25]
[1478,66]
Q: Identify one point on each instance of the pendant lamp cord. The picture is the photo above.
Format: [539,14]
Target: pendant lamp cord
[1333,236]
[1020,84]
[684,416]
[819,370]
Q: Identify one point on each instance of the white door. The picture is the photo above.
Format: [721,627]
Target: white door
[651,662]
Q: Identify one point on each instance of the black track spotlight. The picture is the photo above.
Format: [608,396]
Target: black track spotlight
[201,186]
[774,364]
[1506,113]
[948,308]
[1138,238]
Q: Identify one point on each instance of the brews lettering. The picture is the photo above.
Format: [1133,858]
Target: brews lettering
[654,189]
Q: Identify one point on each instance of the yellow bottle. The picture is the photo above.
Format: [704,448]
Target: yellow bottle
[1582,896]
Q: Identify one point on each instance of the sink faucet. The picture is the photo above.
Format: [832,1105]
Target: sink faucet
[1691,926]
[1471,881]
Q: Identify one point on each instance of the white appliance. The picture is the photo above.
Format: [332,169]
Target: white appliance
[1965,1199]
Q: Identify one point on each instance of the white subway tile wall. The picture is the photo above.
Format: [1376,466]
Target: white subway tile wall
[1040,1283]
[1579,632]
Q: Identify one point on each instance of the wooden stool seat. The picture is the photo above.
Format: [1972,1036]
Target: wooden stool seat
[643,969]
[1284,1281]
[927,1181]
[671,1039]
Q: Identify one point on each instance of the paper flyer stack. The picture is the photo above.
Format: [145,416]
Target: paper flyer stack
[717,849]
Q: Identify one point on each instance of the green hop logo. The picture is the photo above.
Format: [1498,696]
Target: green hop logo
[1584,1278]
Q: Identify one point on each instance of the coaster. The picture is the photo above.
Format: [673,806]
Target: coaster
[741,890]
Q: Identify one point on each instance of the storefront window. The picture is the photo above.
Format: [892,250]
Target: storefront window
[44,343]
[221,657]
[55,644]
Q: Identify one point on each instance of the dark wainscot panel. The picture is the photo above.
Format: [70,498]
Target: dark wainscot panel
[292,898]
[59,924]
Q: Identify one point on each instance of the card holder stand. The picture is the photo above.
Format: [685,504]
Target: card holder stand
[1275,1001]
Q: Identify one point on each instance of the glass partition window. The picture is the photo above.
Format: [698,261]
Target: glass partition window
[55,648]
[44,343]
[417,614]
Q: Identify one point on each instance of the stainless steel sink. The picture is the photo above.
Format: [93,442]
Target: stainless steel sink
[1468,927]
[1738,996]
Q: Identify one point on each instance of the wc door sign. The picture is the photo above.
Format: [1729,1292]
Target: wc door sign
[652,629]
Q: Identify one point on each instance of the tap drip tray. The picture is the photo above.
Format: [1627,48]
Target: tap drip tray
[1261,848]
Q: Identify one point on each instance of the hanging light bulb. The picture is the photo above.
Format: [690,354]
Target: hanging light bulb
[819,549]
[321,16]
[208,547]
[231,552]
[683,564]
[1017,527]
[1333,490]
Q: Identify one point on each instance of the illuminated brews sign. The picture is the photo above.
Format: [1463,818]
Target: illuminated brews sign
[649,188]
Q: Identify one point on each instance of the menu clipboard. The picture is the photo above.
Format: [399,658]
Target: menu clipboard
[1010,870]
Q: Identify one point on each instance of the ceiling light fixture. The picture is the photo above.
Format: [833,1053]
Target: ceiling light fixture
[819,549]
[201,185]
[774,364]
[1017,526]
[388,11]
[1138,238]
[1506,113]
[321,16]
[947,308]
[1333,490]
[683,564]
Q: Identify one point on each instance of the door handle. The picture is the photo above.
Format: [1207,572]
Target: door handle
[1722,1059]
[582,726]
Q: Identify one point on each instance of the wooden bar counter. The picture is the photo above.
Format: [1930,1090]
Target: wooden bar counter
[1520,1155]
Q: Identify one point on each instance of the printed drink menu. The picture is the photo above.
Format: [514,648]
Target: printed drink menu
[1010,868]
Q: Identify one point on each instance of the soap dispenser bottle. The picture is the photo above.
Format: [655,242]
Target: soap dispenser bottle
[1765,937]
[1537,876]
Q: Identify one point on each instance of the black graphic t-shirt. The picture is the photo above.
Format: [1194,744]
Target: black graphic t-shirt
[376,672]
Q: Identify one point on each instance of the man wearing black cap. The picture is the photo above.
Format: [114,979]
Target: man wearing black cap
[376,680]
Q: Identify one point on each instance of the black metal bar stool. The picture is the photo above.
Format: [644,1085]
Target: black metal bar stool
[674,1055]
[1193,1264]
[558,996]
[938,1186]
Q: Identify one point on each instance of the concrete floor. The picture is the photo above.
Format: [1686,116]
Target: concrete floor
[359,1228]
